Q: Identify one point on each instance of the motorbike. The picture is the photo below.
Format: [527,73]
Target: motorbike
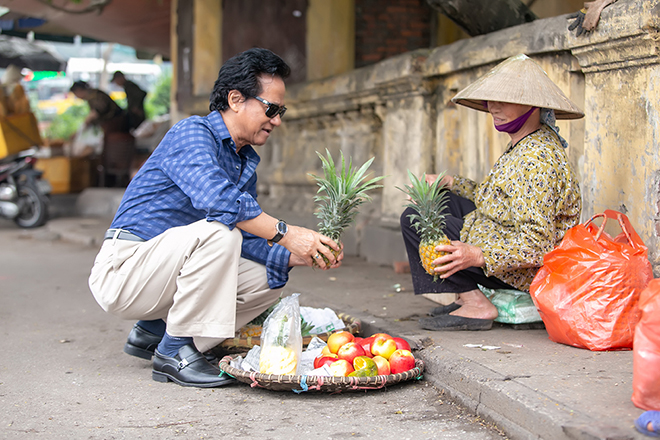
[24,195]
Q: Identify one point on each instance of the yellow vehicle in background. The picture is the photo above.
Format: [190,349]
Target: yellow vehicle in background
[59,104]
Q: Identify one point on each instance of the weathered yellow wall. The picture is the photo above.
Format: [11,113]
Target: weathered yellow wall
[330,38]
[546,9]
[612,74]
[207,45]
[448,32]
[174,44]
[399,112]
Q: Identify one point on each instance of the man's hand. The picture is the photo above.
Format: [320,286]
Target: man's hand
[295,260]
[308,247]
[459,256]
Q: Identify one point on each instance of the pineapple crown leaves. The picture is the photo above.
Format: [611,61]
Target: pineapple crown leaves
[430,202]
[340,192]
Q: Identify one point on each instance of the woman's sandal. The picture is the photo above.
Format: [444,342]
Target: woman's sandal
[652,418]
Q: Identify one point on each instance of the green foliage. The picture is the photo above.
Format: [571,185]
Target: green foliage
[158,100]
[121,102]
[344,192]
[66,124]
[429,201]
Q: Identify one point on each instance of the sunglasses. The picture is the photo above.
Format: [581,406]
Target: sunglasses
[272,110]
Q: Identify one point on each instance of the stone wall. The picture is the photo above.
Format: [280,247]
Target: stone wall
[399,112]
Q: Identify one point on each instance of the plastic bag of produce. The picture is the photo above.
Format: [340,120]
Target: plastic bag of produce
[281,339]
[513,306]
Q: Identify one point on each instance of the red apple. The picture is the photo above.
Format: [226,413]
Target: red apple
[375,335]
[357,339]
[382,364]
[337,339]
[341,367]
[401,344]
[350,351]
[400,361]
[366,345]
[324,359]
[383,346]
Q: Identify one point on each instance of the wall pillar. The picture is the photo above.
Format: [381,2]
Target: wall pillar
[622,117]
[330,38]
[207,45]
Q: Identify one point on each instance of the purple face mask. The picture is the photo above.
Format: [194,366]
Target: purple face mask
[515,125]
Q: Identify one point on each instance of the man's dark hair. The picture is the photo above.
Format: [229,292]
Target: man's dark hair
[241,73]
[117,74]
[79,85]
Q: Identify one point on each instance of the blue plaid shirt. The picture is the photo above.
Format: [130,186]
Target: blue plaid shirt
[195,173]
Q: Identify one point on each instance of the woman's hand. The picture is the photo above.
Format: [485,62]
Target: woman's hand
[307,247]
[447,180]
[459,256]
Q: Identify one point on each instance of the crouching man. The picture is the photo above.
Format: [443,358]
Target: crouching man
[190,253]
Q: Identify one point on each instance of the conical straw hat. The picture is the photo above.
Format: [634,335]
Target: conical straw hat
[518,80]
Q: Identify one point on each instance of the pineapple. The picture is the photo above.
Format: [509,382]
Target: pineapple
[429,201]
[339,195]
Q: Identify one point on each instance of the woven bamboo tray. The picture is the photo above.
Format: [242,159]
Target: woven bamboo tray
[239,344]
[327,384]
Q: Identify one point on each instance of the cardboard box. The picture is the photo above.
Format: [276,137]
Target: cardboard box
[66,174]
[17,133]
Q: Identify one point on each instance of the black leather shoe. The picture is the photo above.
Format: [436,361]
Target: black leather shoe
[444,310]
[141,343]
[189,368]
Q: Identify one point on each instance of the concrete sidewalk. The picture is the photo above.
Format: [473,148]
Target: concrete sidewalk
[528,385]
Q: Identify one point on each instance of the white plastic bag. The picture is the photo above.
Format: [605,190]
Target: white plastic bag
[281,340]
[88,140]
[323,320]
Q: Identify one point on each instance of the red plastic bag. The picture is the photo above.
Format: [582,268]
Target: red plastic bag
[587,291]
[646,351]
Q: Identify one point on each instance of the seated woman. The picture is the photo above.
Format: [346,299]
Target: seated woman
[501,228]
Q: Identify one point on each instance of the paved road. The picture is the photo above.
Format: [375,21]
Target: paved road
[63,374]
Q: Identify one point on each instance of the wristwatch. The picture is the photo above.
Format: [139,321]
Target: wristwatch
[282,229]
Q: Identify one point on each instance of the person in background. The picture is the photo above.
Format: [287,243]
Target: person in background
[118,144]
[501,228]
[134,100]
[190,253]
[103,111]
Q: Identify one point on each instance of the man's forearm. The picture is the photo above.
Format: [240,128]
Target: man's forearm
[263,226]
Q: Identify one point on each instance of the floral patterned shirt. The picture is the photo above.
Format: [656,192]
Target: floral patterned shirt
[528,201]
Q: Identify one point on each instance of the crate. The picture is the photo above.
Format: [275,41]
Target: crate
[66,174]
[17,133]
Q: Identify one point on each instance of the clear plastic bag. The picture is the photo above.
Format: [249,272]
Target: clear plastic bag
[513,306]
[281,339]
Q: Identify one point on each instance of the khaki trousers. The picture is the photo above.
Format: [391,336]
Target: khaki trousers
[193,277]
